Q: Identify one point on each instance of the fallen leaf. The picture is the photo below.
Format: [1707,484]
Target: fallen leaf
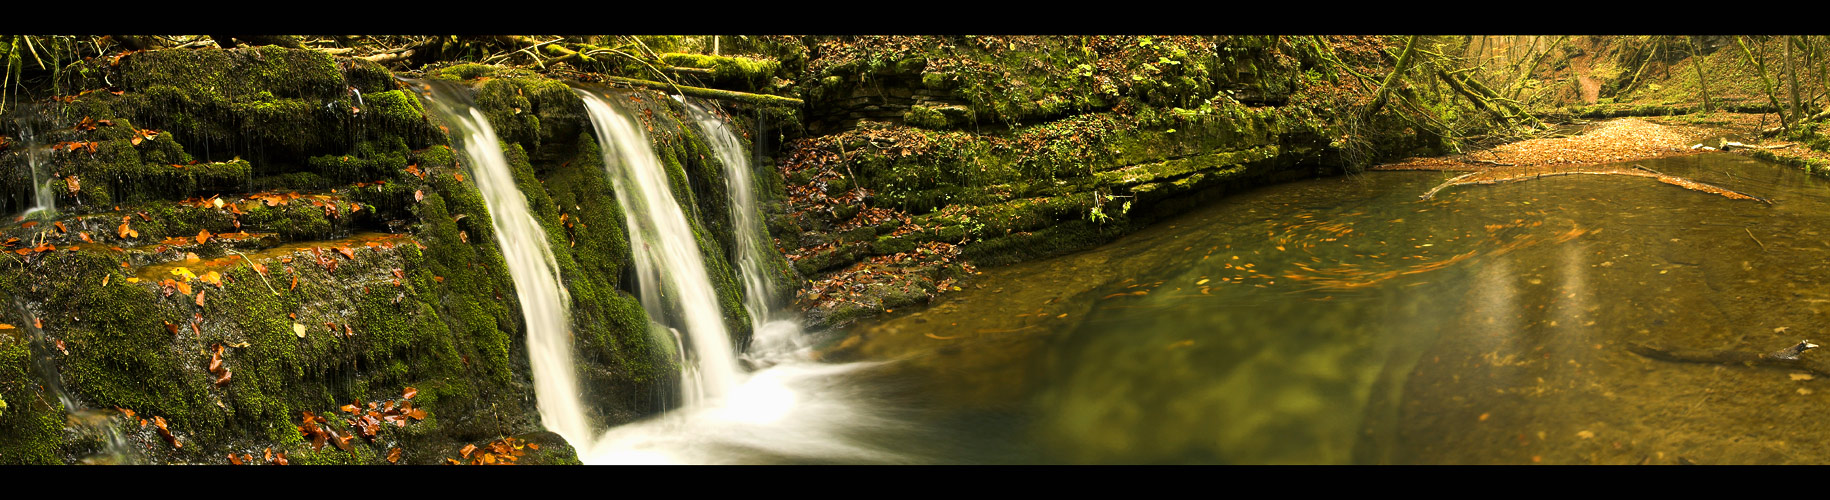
[298,329]
[204,235]
[394,455]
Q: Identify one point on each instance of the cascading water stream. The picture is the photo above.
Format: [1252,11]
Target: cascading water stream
[774,334]
[794,410]
[44,202]
[667,256]
[545,305]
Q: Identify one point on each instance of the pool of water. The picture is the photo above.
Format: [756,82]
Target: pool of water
[1344,320]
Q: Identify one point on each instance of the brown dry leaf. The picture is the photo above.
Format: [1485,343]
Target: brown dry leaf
[234,459]
[204,235]
[72,183]
[466,451]
[60,227]
[409,393]
[200,298]
[394,455]
[349,408]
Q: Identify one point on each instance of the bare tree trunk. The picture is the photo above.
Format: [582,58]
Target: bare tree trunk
[1785,119]
[1792,74]
[1702,83]
[1391,79]
[1642,68]
[1518,82]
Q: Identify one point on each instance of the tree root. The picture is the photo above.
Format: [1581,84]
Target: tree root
[1514,174]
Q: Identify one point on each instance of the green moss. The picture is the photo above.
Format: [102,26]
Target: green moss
[33,420]
[466,71]
[741,73]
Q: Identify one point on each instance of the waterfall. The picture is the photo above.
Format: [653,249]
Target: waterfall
[545,305]
[44,201]
[669,266]
[774,333]
[793,410]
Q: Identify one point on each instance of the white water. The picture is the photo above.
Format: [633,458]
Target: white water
[545,305]
[667,257]
[795,409]
[775,335]
[44,202]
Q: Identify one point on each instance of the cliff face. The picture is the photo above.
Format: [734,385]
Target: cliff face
[304,214]
[247,240]
[927,155]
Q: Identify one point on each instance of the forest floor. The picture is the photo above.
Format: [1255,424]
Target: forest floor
[1616,140]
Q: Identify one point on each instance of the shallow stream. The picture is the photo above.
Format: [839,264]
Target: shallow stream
[1343,320]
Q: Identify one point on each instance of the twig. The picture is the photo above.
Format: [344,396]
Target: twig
[1750,234]
[263,276]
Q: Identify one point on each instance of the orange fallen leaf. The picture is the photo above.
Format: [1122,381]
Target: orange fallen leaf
[203,236]
[394,455]
[466,451]
[409,393]
[200,298]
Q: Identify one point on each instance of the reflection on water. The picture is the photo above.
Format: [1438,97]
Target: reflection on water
[1346,321]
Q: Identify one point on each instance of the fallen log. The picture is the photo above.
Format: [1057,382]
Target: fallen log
[1788,358]
[729,95]
[1514,174]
